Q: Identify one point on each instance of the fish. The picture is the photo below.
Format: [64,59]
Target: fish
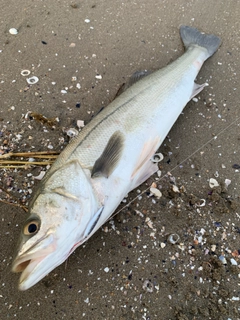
[110,157]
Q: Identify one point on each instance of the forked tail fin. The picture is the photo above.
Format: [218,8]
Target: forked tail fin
[192,36]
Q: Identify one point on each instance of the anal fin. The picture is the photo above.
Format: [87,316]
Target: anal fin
[148,169]
[145,167]
[197,88]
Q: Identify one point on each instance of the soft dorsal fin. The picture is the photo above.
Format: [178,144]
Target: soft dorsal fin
[108,160]
[138,75]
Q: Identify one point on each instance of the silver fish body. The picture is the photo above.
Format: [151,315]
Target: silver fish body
[110,157]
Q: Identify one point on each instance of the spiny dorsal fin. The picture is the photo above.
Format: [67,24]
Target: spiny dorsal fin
[138,75]
[108,160]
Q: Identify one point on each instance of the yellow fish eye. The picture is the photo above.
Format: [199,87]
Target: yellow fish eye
[31,227]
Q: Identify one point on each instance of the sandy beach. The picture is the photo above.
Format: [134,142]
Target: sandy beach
[78,55]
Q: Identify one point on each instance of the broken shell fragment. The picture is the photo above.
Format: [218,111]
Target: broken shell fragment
[157,193]
[223,259]
[32,80]
[175,189]
[202,203]
[25,72]
[227,182]
[213,183]
[157,157]
[148,286]
[40,176]
[173,238]
[80,123]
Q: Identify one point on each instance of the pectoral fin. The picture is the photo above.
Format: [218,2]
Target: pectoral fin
[108,160]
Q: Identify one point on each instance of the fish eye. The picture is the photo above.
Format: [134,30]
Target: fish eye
[31,227]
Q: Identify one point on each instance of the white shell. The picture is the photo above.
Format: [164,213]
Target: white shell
[202,203]
[13,31]
[175,188]
[72,132]
[157,193]
[227,182]
[157,157]
[213,183]
[32,80]
[40,176]
[25,72]
[173,238]
[80,123]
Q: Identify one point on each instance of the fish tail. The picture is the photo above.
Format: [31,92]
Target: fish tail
[192,36]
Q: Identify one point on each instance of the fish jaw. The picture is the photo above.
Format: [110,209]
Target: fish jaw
[33,261]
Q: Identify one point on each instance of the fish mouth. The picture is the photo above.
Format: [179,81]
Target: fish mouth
[31,263]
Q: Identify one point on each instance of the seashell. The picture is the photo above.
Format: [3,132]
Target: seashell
[202,203]
[148,286]
[157,193]
[25,72]
[32,80]
[72,132]
[157,157]
[227,182]
[173,238]
[213,183]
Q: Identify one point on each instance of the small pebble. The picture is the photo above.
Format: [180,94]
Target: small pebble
[106,269]
[236,166]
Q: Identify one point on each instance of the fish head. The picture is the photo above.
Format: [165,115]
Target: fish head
[58,218]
